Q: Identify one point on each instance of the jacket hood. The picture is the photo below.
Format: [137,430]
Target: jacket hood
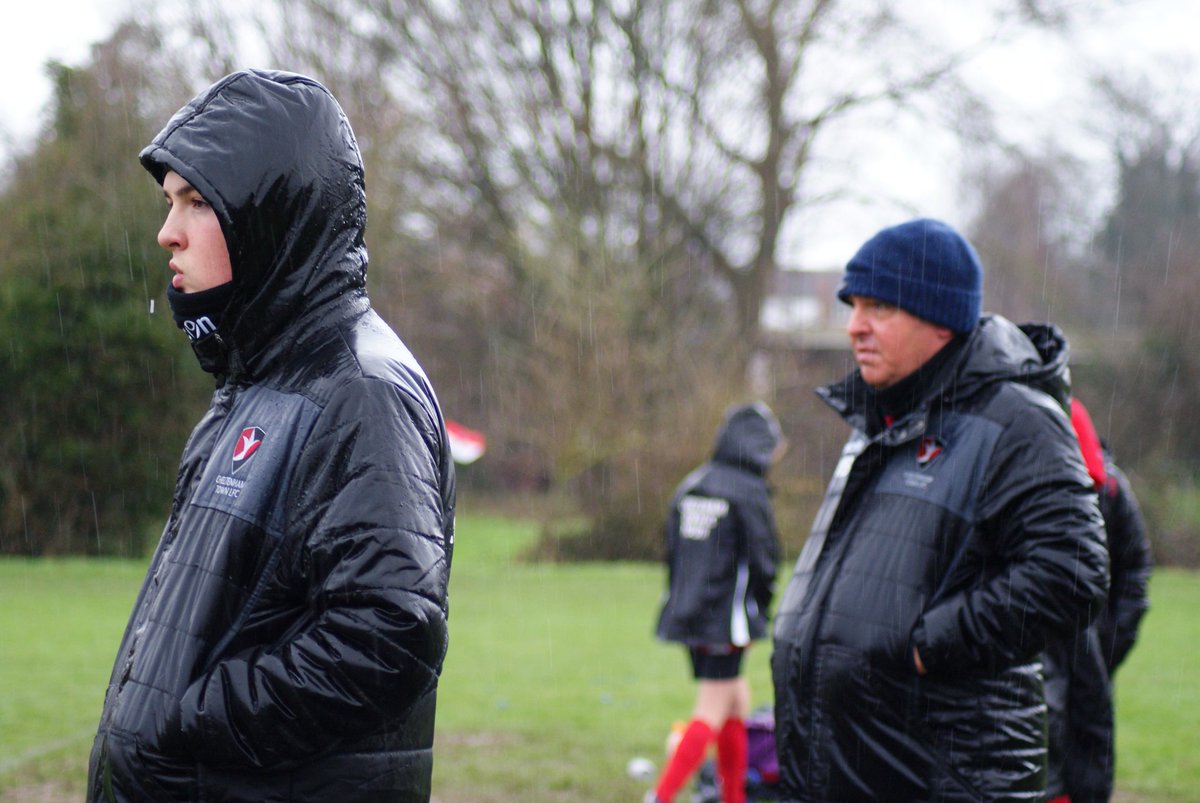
[274,155]
[1034,354]
[748,437]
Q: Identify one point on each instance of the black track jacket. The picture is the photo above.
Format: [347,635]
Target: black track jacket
[721,540]
[288,638]
[968,529]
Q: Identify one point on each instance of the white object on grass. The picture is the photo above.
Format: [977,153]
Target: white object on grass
[640,768]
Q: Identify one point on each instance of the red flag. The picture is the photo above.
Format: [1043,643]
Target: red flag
[466,445]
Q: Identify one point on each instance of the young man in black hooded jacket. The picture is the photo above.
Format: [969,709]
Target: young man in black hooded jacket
[959,532]
[288,638]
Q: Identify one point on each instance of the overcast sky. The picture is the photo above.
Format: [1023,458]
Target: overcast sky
[1038,86]
[33,32]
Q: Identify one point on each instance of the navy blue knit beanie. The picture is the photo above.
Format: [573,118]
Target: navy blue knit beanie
[923,267]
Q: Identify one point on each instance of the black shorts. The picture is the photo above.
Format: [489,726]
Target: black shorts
[716,663]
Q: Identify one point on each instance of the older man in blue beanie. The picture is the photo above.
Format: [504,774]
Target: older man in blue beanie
[959,532]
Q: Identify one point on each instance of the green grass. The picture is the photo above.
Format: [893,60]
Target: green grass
[552,684]
[554,679]
[60,621]
[1158,695]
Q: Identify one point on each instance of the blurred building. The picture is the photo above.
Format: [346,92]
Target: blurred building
[802,311]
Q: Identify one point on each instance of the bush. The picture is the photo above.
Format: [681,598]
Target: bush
[1170,503]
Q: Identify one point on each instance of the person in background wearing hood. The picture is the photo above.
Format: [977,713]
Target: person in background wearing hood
[721,554]
[287,641]
[958,534]
[1079,669]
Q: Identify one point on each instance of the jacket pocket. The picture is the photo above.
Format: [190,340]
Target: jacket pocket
[931,700]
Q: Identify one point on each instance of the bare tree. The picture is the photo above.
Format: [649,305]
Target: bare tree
[1149,249]
[609,183]
[651,127]
[1029,236]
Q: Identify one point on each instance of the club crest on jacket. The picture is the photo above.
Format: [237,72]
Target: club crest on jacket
[929,448]
[247,444]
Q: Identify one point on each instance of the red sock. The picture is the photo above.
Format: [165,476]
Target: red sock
[732,760]
[688,756]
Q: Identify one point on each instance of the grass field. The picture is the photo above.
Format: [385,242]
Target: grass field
[552,684]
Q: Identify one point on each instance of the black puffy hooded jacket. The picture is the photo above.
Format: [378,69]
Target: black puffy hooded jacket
[969,530]
[721,541]
[288,638]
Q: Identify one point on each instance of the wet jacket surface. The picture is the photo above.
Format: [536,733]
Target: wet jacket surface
[721,539]
[287,641]
[969,530]
[1129,551]
[1079,669]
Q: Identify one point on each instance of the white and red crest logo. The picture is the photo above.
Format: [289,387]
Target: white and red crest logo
[247,444]
[928,449]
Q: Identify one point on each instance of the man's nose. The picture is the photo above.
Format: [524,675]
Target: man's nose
[856,324]
[170,236]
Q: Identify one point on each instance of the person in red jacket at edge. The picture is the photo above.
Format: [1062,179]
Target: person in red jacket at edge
[721,554]
[1079,670]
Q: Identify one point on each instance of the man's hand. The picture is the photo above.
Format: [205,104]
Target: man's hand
[917,662]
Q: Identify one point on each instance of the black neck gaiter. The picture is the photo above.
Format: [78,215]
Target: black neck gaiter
[890,404]
[199,314]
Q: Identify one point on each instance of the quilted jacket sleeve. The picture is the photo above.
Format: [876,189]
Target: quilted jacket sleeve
[1043,566]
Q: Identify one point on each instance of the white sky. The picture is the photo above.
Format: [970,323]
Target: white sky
[1038,85]
[31,33]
